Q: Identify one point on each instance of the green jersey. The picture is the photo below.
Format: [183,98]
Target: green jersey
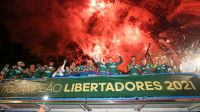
[25,75]
[101,67]
[161,68]
[47,73]
[112,66]
[146,69]
[38,74]
[13,73]
[80,68]
[9,74]
[133,69]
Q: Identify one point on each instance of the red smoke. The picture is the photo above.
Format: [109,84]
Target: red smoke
[108,28]
[101,27]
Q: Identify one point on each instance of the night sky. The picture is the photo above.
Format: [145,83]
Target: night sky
[33,30]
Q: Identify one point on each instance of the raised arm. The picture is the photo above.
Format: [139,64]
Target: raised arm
[63,66]
[128,67]
[120,61]
[148,55]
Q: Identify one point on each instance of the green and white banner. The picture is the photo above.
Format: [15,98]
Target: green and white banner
[104,87]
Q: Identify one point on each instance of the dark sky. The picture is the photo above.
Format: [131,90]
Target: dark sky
[29,27]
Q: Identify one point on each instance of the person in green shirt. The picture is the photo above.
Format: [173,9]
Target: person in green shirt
[39,72]
[51,66]
[146,68]
[90,66]
[112,66]
[25,74]
[10,72]
[102,70]
[161,66]
[4,71]
[81,68]
[15,72]
[133,68]
[47,73]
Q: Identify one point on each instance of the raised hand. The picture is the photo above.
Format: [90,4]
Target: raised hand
[65,61]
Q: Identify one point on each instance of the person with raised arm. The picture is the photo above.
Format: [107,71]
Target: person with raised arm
[102,70]
[161,66]
[112,66]
[146,68]
[60,71]
[16,71]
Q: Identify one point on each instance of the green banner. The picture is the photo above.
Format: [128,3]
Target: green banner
[104,87]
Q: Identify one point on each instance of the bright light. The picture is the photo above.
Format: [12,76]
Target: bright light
[93,3]
[45,97]
[198,60]
[132,33]
[16,101]
[97,5]
[191,64]
[167,41]
[97,49]
[198,64]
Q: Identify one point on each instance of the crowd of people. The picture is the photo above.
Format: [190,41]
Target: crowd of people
[98,67]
